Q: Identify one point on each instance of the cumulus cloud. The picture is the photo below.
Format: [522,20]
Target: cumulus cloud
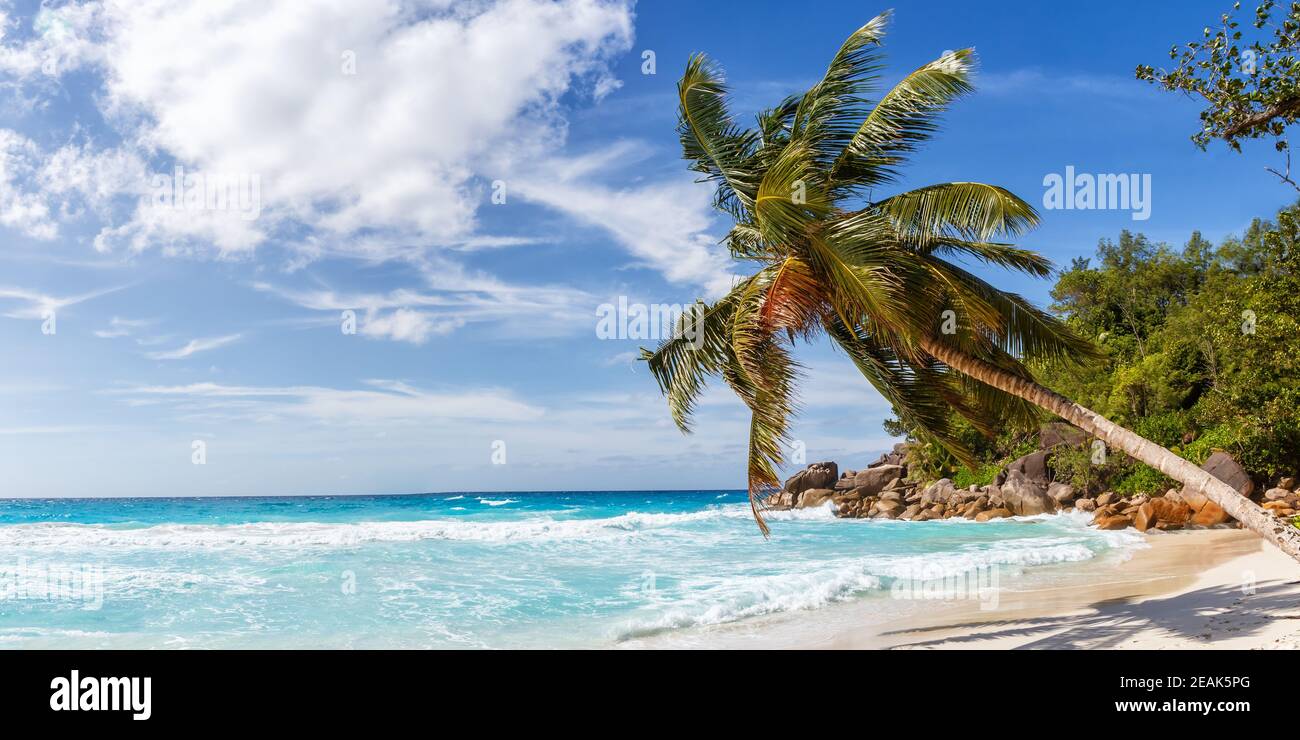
[355,116]
[21,206]
[405,325]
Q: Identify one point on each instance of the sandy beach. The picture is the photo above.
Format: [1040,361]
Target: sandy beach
[1196,589]
[1188,590]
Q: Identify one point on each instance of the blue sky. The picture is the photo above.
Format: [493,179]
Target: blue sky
[379,132]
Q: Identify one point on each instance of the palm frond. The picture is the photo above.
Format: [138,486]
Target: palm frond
[791,197]
[829,113]
[1022,330]
[921,395]
[904,118]
[698,349]
[711,141]
[957,210]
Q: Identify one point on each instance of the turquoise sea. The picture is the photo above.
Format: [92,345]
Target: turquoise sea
[472,570]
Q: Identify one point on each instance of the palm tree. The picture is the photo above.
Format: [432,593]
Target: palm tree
[875,275]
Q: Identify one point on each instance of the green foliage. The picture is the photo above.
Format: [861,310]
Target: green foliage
[1201,343]
[836,255]
[981,476]
[1201,354]
[1248,78]
[1143,479]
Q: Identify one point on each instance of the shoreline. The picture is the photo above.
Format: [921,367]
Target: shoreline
[1180,590]
[1187,590]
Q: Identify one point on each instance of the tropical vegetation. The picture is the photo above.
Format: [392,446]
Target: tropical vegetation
[875,275]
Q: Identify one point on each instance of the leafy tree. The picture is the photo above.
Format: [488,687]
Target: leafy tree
[874,274]
[1251,86]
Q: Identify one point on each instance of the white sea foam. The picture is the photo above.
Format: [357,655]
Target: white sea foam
[328,534]
[732,599]
[498,501]
[705,603]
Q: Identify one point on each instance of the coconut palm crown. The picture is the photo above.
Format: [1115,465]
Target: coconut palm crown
[875,274]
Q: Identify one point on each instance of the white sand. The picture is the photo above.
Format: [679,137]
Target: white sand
[1189,590]
[1221,588]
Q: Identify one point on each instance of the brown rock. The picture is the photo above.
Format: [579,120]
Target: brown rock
[938,492]
[1085,504]
[1103,512]
[1209,515]
[888,509]
[1274,494]
[1032,467]
[1026,497]
[1105,498]
[1288,483]
[874,480]
[1059,433]
[1159,510]
[839,499]
[817,475]
[910,512]
[814,497]
[1221,466]
[984,516]
[1118,521]
[1061,493]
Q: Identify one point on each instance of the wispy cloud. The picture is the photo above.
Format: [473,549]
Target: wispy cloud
[194,346]
[120,327]
[449,298]
[381,401]
[37,305]
[665,225]
[1059,84]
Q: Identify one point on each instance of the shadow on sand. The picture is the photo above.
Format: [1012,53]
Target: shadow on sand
[1207,615]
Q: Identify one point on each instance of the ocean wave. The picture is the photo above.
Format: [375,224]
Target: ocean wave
[62,536]
[498,502]
[704,604]
[730,600]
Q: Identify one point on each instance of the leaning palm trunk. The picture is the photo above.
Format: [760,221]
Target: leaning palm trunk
[1255,518]
[875,274]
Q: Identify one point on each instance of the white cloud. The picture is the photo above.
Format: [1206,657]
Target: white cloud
[665,225]
[21,206]
[449,298]
[194,346]
[120,327]
[37,305]
[384,401]
[266,89]
[405,325]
